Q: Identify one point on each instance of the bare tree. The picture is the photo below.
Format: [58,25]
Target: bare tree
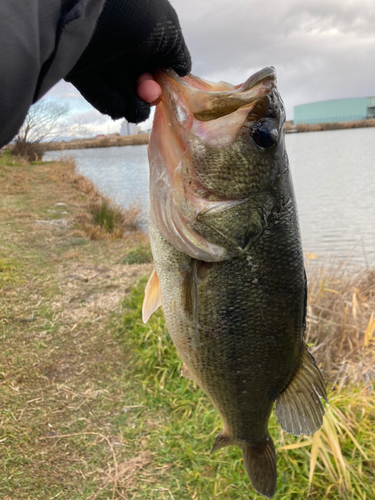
[43,124]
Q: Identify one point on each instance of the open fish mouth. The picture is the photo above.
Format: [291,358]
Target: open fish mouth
[208,101]
[196,118]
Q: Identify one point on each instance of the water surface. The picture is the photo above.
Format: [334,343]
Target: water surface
[333,174]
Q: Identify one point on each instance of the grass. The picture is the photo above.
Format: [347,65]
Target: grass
[138,255]
[101,217]
[63,377]
[92,402]
[340,322]
[100,142]
[317,127]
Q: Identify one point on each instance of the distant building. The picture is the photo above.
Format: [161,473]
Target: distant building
[335,110]
[128,128]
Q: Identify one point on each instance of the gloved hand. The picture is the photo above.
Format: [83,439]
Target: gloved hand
[132,37]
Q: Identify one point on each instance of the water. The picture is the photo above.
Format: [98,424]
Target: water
[334,180]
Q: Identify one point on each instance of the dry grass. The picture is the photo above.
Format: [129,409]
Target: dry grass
[349,417]
[63,378]
[341,322]
[101,217]
[101,142]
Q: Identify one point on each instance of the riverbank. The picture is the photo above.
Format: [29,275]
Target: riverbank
[93,406]
[100,142]
[320,127]
[136,140]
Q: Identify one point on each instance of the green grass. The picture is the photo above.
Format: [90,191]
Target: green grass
[105,215]
[8,159]
[176,421]
[140,254]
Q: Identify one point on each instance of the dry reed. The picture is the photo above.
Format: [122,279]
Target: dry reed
[341,322]
[317,127]
[100,142]
[102,218]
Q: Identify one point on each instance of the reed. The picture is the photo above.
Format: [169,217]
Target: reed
[317,127]
[102,217]
[341,322]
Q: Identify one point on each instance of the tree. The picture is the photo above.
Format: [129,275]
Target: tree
[43,124]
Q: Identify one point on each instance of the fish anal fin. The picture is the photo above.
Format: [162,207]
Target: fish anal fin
[260,463]
[152,300]
[299,409]
[221,441]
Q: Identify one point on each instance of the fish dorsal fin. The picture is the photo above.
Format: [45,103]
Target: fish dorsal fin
[299,409]
[152,300]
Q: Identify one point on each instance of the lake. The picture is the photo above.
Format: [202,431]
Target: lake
[334,180]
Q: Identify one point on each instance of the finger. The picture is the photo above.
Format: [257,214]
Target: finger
[143,77]
[148,89]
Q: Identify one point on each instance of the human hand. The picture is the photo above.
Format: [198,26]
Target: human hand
[132,37]
[148,89]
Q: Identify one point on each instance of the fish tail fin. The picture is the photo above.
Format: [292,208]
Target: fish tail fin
[299,409]
[260,463]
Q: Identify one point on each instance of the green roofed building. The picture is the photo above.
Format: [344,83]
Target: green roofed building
[336,110]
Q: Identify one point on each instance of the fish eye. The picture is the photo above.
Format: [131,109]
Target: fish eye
[265,133]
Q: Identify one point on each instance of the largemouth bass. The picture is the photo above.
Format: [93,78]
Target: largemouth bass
[229,269]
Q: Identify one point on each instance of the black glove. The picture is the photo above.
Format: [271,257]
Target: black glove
[132,37]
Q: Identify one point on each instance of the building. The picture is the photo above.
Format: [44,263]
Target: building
[335,110]
[128,128]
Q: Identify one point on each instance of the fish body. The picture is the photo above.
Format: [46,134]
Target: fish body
[228,259]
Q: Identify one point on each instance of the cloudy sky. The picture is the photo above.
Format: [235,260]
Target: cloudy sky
[321,49]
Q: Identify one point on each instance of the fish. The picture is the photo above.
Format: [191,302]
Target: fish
[229,268]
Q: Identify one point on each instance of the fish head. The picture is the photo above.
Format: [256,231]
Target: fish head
[215,153]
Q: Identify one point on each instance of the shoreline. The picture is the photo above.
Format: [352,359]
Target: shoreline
[142,139]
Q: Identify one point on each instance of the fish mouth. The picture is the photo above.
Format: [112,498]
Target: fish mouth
[190,110]
[207,100]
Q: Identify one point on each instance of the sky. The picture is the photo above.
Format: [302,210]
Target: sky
[321,49]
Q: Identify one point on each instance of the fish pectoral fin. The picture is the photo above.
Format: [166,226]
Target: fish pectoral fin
[299,409]
[221,441]
[185,372]
[152,300]
[259,460]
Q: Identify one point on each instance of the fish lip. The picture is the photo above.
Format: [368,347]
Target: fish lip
[205,103]
[267,72]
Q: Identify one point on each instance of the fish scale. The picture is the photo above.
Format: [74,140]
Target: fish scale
[228,259]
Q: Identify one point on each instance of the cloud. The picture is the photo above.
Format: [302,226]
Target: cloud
[321,49]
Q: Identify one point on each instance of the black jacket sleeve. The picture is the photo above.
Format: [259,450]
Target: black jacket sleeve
[40,42]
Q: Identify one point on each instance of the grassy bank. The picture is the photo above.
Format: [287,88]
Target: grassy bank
[93,405]
[141,139]
[319,127]
[100,142]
